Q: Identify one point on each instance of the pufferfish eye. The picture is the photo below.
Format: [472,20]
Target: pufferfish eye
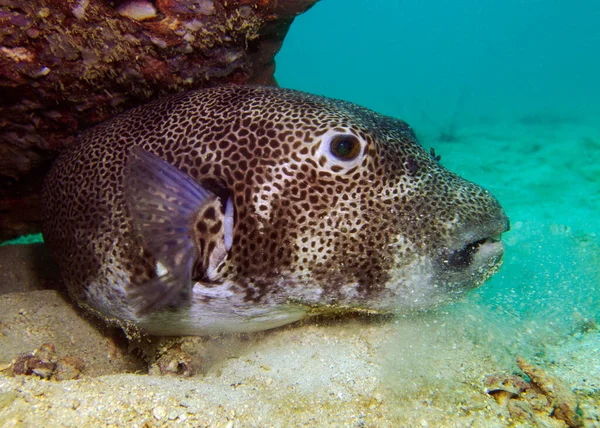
[340,151]
[345,147]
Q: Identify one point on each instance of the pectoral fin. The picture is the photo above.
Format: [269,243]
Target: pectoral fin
[166,207]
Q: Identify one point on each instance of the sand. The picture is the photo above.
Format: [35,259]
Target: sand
[429,369]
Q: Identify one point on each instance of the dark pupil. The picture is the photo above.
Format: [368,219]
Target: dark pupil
[345,148]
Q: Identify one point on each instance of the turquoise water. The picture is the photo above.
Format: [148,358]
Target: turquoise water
[24,240]
[420,60]
[515,84]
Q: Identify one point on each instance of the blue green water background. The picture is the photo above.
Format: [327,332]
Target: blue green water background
[517,83]
[413,59]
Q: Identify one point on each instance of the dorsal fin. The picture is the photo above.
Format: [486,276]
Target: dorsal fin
[166,206]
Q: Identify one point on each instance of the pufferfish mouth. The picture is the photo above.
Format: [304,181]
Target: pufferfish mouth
[475,248]
[464,257]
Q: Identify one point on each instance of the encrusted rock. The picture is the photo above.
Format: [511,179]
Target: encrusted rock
[41,362]
[503,388]
[543,401]
[44,363]
[172,362]
[68,368]
[562,398]
[67,65]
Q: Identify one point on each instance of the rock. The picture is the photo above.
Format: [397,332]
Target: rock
[172,361]
[562,398]
[68,368]
[544,401]
[503,388]
[67,65]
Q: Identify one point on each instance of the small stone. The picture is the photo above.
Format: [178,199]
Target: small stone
[139,10]
[45,352]
[79,9]
[44,12]
[20,365]
[159,413]
[32,32]
[68,368]
[41,368]
[173,361]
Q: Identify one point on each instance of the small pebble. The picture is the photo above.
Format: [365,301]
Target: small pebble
[32,32]
[159,413]
[68,368]
[138,10]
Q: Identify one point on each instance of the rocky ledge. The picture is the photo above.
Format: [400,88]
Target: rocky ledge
[66,65]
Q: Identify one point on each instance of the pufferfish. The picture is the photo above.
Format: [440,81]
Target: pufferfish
[239,208]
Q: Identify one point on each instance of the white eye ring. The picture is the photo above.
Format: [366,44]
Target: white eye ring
[340,151]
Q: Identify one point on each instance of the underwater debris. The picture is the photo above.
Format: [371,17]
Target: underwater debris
[503,388]
[562,399]
[541,400]
[178,356]
[172,361]
[68,368]
[44,363]
[586,325]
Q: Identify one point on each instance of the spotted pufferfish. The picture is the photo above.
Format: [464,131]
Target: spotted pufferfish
[241,208]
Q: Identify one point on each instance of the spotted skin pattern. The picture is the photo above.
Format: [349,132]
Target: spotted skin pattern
[311,230]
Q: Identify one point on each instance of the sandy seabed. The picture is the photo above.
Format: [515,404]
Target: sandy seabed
[433,369]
